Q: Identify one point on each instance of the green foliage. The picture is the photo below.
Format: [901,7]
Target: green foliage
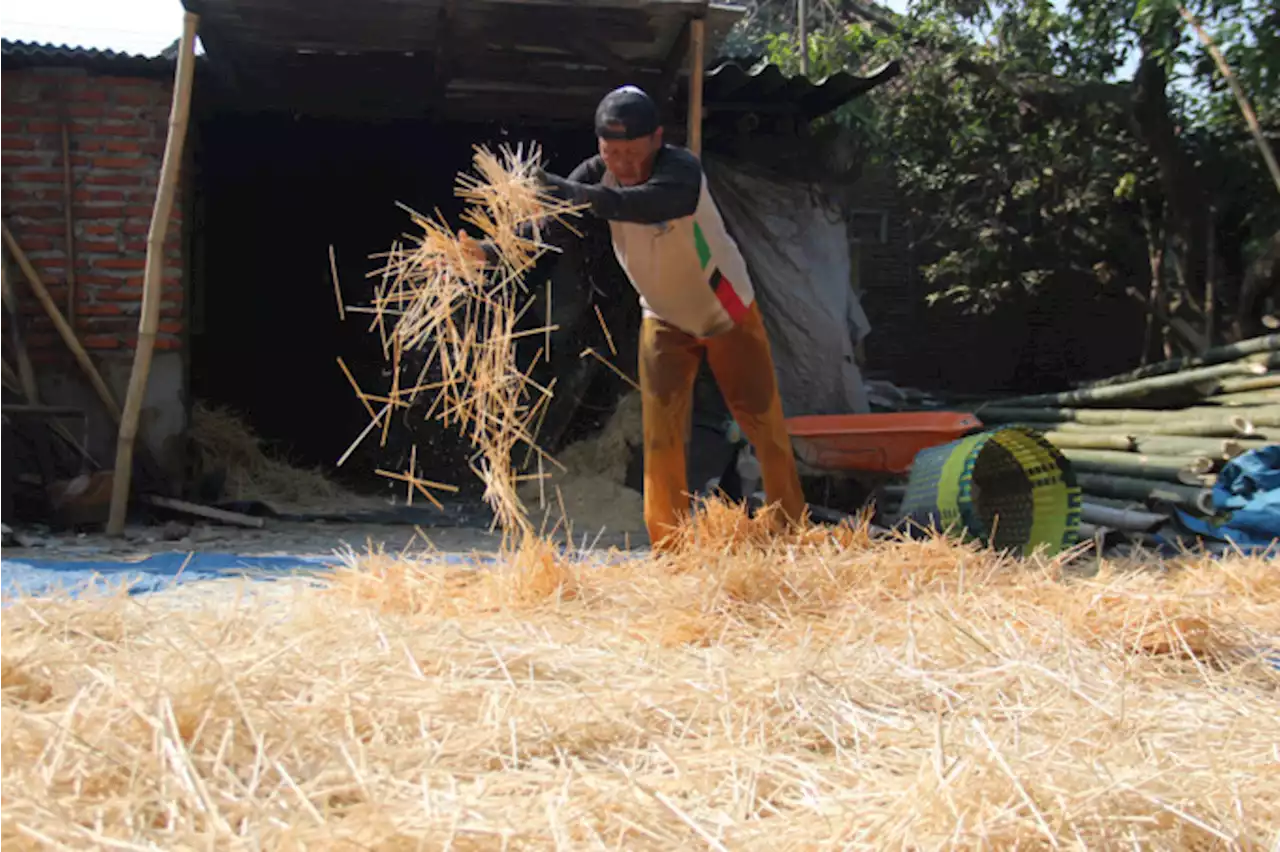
[1020,151]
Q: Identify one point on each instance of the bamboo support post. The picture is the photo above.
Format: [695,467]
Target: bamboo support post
[1253,365]
[1246,109]
[1186,497]
[1129,520]
[154,275]
[60,323]
[802,20]
[697,61]
[1183,470]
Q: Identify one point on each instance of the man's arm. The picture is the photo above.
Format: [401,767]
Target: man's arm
[672,191]
[551,231]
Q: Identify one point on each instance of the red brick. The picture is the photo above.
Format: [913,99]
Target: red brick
[11,109]
[89,146]
[136,228]
[38,177]
[121,294]
[99,195]
[42,127]
[138,210]
[89,95]
[118,162]
[135,98]
[87,213]
[15,161]
[31,245]
[52,230]
[100,230]
[120,263]
[101,309]
[171,311]
[19,143]
[128,145]
[85,111]
[100,341]
[95,281]
[81,161]
[168,344]
[31,211]
[169,328]
[113,180]
[123,129]
[98,245]
[7,126]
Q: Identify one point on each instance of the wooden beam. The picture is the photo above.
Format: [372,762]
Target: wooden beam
[697,61]
[63,327]
[666,86]
[153,277]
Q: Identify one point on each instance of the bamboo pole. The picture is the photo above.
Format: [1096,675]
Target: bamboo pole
[1245,108]
[1232,427]
[60,323]
[697,61]
[1178,469]
[154,275]
[1187,497]
[1229,352]
[1152,421]
[1253,365]
[1129,520]
[802,18]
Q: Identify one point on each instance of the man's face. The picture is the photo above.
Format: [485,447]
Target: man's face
[631,160]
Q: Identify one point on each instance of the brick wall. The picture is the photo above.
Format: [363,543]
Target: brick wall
[116,128]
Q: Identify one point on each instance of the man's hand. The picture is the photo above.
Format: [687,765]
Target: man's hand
[471,248]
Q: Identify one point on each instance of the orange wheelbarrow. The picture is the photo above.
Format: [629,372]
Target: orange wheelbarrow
[855,455]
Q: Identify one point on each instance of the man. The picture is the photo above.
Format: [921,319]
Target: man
[696,297]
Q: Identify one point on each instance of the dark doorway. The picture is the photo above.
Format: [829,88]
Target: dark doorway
[271,194]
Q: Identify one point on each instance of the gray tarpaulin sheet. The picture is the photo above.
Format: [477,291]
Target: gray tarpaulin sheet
[797,250]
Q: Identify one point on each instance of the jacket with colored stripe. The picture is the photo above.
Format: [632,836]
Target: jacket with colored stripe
[670,239]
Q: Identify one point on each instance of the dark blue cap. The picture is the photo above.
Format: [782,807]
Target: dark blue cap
[626,113]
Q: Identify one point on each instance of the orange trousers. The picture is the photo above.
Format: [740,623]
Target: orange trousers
[742,364]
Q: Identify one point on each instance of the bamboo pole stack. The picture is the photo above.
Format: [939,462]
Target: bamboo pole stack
[1155,438]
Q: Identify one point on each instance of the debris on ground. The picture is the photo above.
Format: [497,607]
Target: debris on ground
[227,450]
[592,485]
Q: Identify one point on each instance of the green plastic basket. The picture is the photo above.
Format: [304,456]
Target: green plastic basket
[1007,487]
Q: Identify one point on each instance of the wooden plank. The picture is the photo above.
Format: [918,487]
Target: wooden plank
[223,515]
[26,377]
[153,275]
[60,323]
[697,59]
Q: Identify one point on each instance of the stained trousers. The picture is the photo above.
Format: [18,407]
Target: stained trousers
[742,363]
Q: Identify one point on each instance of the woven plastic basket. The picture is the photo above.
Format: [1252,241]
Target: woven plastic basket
[1007,487]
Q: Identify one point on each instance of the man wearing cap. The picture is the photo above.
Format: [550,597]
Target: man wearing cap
[696,298]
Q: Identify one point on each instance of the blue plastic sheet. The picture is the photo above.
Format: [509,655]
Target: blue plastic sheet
[152,574]
[1246,502]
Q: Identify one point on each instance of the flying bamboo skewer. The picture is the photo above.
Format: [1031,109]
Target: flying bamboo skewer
[434,297]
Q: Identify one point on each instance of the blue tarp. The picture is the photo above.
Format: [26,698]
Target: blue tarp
[1246,502]
[152,574]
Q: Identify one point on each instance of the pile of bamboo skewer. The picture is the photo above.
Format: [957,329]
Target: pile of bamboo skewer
[1153,439]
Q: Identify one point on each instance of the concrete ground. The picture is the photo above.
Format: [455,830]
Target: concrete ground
[278,538]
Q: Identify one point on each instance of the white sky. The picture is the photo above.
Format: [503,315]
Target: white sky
[131,26]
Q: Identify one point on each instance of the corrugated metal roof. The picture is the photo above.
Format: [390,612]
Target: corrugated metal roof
[26,54]
[762,87]
[730,85]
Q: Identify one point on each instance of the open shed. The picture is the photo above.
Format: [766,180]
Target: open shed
[312,121]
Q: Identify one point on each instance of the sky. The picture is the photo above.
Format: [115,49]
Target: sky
[131,26]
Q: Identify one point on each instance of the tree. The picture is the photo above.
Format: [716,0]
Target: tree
[1087,145]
